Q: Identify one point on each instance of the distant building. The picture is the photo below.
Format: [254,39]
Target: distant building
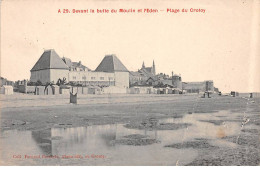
[110,72]
[50,68]
[4,81]
[174,81]
[150,71]
[152,81]
[75,66]
[197,87]
[137,78]
[140,77]
[216,90]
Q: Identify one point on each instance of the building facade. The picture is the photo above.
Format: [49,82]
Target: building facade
[51,68]
[111,64]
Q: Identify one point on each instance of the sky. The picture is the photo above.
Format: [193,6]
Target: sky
[221,44]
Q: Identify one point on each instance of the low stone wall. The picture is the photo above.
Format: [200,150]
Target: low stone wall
[114,89]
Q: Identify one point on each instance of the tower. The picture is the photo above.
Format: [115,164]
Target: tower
[143,66]
[154,72]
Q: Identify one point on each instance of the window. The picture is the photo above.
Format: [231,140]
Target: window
[93,78]
[102,78]
[74,77]
[84,78]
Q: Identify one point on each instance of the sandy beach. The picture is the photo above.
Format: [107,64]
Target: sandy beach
[187,129]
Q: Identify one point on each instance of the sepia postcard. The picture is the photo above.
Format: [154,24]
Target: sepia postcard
[130,83]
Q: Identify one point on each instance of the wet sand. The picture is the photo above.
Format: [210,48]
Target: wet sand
[221,130]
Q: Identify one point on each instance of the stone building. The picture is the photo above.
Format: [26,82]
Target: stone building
[50,68]
[176,81]
[198,87]
[112,65]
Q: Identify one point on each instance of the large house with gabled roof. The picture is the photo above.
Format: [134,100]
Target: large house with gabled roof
[111,64]
[50,68]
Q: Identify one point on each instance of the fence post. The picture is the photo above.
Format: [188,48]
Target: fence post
[73,98]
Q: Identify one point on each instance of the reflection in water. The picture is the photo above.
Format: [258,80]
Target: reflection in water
[42,138]
[97,140]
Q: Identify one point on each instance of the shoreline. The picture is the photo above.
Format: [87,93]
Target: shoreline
[46,111]
[100,112]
